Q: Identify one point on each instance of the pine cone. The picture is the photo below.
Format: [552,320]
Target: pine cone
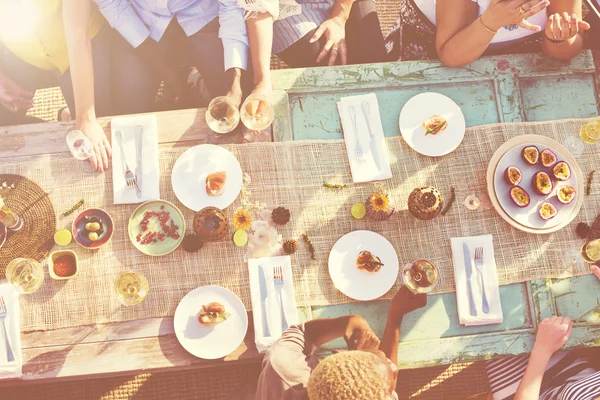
[290,246]
[280,216]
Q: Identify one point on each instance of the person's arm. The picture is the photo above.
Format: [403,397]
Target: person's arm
[334,32]
[596,271]
[564,24]
[122,17]
[233,34]
[260,37]
[552,334]
[13,97]
[76,17]
[462,37]
[403,303]
[353,328]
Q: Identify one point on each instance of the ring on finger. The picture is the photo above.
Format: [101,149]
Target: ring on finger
[334,49]
[521,11]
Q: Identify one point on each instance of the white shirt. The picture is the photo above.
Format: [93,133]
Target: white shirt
[505,34]
[136,20]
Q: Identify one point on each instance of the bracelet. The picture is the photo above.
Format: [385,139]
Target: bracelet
[554,42]
[485,26]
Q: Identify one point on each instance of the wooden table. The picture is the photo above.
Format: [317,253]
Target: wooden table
[513,88]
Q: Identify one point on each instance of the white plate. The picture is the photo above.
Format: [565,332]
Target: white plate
[191,169]
[420,108]
[356,283]
[210,342]
[529,216]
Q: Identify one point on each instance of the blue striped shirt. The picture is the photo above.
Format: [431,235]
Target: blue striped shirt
[291,29]
[136,20]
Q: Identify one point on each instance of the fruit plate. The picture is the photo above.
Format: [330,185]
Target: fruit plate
[360,284]
[215,341]
[79,231]
[527,218]
[420,108]
[168,243]
[191,169]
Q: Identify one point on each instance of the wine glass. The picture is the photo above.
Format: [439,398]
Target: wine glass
[222,116]
[574,145]
[26,274]
[590,251]
[131,288]
[590,132]
[420,276]
[80,145]
[257,112]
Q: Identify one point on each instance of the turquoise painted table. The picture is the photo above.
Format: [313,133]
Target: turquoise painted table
[513,88]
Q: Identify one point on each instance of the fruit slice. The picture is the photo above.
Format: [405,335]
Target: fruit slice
[530,154]
[566,194]
[513,175]
[240,238]
[358,210]
[215,183]
[548,211]
[519,196]
[548,158]
[541,183]
[562,171]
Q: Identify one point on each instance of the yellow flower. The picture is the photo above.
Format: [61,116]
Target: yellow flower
[379,201]
[242,219]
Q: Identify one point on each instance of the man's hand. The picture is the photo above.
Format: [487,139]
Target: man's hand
[406,301]
[102,150]
[359,335]
[552,334]
[13,97]
[564,26]
[334,32]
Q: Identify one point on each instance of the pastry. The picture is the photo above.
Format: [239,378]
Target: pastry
[425,202]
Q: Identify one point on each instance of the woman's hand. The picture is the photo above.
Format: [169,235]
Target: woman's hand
[102,150]
[564,26]
[334,32]
[509,12]
[359,335]
[406,301]
[552,334]
[13,97]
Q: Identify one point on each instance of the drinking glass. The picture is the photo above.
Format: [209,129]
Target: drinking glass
[420,276]
[590,251]
[25,274]
[11,220]
[222,116]
[590,132]
[257,112]
[131,288]
[80,145]
[575,146]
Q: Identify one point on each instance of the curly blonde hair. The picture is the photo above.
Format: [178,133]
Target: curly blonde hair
[350,375]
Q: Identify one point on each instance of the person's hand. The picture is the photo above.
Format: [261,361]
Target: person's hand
[13,97]
[359,335]
[334,32]
[174,89]
[508,12]
[596,271]
[564,26]
[406,301]
[552,334]
[102,150]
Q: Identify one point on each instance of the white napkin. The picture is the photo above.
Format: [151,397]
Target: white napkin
[269,327]
[368,171]
[492,289]
[124,194]
[13,329]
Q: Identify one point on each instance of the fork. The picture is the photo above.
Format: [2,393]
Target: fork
[479,266]
[358,151]
[9,354]
[278,278]
[129,177]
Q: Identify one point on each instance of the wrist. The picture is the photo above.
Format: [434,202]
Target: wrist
[85,118]
[540,354]
[395,315]
[340,17]
[488,22]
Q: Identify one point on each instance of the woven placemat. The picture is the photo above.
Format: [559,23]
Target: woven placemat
[29,201]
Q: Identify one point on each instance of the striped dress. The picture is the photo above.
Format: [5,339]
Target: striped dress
[567,377]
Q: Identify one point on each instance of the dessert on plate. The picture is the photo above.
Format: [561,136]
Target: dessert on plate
[213,314]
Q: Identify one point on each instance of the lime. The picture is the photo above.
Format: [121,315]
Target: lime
[62,237]
[358,210]
[240,238]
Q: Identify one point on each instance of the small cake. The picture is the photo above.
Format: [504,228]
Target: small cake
[215,183]
[213,314]
[425,202]
[210,224]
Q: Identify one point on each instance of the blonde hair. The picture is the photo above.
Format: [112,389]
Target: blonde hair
[350,375]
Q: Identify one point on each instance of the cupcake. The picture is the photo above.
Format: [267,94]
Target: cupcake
[425,202]
[210,224]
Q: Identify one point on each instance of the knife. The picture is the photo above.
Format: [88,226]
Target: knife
[367,114]
[139,139]
[262,282]
[469,270]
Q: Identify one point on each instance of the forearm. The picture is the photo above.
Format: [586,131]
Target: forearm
[565,50]
[323,330]
[391,335]
[260,37]
[341,9]
[529,388]
[466,46]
